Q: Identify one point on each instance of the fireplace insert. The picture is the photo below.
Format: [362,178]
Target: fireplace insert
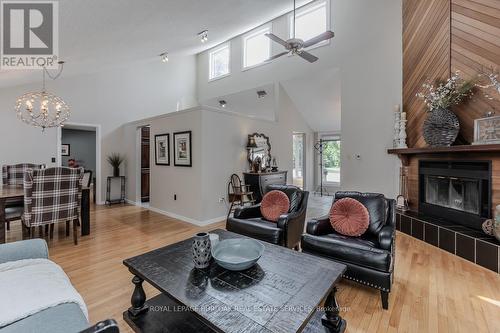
[457,191]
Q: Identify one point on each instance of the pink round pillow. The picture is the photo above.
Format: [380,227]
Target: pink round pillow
[274,204]
[349,217]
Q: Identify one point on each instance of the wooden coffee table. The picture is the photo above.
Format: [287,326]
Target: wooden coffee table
[281,293]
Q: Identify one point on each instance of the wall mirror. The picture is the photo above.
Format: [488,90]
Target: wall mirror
[259,146]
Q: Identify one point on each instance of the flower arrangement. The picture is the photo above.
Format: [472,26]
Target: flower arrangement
[447,94]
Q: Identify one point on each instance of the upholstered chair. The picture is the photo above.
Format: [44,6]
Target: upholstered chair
[370,257]
[286,231]
[51,196]
[14,175]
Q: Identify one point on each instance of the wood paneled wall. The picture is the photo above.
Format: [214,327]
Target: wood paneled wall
[441,36]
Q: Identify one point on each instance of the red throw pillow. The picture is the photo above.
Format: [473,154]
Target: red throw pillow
[349,217]
[274,204]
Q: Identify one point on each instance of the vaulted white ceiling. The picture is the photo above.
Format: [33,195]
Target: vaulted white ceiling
[99,34]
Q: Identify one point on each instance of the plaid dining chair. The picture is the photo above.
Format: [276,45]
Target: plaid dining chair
[14,175]
[51,196]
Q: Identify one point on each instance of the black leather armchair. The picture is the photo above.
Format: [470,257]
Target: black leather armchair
[286,231]
[370,257]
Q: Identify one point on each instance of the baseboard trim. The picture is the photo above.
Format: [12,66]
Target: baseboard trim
[187,219]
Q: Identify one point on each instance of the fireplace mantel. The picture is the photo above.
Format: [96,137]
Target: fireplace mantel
[405,153]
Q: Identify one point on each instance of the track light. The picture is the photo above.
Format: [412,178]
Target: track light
[261,93]
[203,36]
[164,57]
[222,103]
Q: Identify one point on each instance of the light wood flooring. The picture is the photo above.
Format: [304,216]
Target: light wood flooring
[433,291]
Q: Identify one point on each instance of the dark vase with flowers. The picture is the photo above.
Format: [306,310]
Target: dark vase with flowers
[441,127]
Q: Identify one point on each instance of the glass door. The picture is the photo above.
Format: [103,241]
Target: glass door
[299,158]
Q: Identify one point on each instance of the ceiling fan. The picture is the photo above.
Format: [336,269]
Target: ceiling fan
[296,45]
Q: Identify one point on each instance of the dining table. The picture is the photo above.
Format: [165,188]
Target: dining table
[17,192]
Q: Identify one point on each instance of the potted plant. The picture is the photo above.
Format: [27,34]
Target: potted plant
[115,160]
[442,126]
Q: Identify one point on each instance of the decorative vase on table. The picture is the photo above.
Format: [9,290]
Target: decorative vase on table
[116,172]
[201,250]
[441,128]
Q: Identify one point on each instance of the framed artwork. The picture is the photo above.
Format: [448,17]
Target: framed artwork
[487,131]
[162,149]
[182,149]
[65,150]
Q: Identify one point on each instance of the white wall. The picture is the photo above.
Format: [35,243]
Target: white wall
[109,98]
[219,141]
[367,51]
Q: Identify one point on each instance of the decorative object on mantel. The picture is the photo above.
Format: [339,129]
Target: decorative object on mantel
[115,160]
[41,108]
[201,250]
[442,126]
[399,128]
[487,130]
[492,76]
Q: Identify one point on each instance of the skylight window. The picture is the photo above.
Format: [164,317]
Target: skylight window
[219,62]
[311,21]
[256,47]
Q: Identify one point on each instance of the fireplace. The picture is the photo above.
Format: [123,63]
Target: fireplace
[458,191]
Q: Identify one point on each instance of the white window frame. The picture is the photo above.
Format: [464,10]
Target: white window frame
[304,10]
[266,28]
[210,56]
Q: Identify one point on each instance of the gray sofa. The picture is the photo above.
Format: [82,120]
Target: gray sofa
[64,318]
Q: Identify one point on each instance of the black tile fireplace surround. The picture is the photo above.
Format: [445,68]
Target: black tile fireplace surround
[457,191]
[470,244]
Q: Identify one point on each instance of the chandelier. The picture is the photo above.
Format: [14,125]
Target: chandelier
[41,108]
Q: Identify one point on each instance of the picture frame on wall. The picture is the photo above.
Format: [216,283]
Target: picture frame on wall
[162,149]
[65,149]
[487,131]
[183,149]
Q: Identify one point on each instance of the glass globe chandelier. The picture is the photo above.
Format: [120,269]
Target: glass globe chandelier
[41,108]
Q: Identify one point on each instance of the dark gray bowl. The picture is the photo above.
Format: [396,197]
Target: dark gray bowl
[237,254]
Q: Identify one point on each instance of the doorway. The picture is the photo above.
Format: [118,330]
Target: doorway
[79,145]
[145,139]
[299,160]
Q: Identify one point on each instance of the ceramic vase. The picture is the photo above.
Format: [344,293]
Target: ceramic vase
[201,250]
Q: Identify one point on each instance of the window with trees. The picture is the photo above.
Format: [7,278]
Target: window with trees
[331,159]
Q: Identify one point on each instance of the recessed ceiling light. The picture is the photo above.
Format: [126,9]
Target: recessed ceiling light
[164,57]
[203,36]
[261,93]
[222,103]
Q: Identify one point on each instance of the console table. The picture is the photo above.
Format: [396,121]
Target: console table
[259,181]
[121,199]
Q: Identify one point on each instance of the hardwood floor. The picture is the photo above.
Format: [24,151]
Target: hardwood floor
[433,290]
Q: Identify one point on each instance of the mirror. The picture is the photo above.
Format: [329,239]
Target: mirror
[259,146]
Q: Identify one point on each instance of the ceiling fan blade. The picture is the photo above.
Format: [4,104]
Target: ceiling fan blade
[278,40]
[315,40]
[307,56]
[277,56]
